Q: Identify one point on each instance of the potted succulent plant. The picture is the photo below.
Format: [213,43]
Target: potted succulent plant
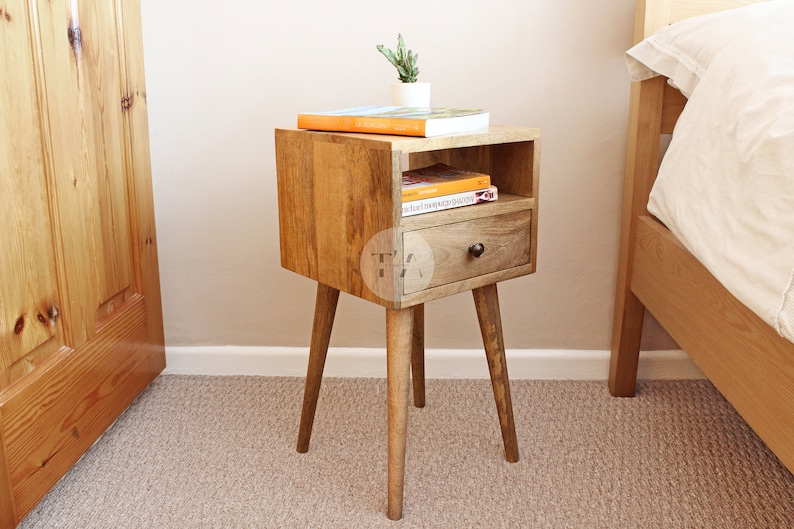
[408,92]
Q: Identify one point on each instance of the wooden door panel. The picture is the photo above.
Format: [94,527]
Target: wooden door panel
[78,237]
[50,422]
[71,199]
[29,301]
[80,50]
[100,92]
[144,236]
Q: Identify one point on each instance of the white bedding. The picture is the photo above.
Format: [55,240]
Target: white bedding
[726,185]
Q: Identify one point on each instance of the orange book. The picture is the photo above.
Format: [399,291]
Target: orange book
[440,179]
[403,121]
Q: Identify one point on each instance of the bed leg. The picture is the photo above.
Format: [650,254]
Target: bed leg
[626,336]
[642,162]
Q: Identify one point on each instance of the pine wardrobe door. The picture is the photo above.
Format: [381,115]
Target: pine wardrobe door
[81,323]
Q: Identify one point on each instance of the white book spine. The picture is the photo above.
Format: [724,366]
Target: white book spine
[454,200]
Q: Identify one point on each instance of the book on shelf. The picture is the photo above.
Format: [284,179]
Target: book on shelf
[403,121]
[440,179]
[455,200]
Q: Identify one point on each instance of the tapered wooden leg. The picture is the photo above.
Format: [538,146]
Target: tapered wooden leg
[486,300]
[324,311]
[418,356]
[399,338]
[626,338]
[642,163]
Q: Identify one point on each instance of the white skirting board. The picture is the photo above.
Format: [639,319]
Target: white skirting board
[530,364]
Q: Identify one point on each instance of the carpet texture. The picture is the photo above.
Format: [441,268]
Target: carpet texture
[219,452]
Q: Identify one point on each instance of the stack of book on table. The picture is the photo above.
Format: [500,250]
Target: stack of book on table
[440,186]
[430,188]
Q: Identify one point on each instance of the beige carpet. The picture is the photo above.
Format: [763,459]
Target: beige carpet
[218,452]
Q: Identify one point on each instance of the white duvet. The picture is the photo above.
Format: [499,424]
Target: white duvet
[726,185]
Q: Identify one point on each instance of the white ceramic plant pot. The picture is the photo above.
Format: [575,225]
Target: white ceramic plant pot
[410,94]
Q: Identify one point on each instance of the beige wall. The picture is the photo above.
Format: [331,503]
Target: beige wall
[222,75]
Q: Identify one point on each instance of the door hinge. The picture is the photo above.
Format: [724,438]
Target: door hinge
[126,103]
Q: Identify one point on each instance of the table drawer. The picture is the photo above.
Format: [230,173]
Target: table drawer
[444,255]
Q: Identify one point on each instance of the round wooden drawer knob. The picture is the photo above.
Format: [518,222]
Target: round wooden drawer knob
[477,249]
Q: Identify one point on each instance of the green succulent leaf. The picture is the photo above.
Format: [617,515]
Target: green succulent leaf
[404,60]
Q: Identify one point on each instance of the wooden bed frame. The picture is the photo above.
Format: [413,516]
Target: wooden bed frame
[750,364]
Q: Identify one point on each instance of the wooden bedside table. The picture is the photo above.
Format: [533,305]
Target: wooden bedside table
[341,224]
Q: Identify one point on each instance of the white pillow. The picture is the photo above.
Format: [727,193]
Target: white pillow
[683,51]
[725,187]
